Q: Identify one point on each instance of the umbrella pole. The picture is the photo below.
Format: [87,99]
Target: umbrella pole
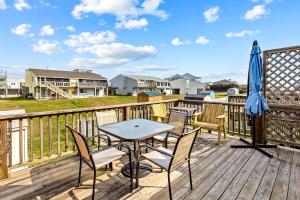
[253,143]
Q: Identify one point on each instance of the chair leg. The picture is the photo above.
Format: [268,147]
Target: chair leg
[111,166]
[80,165]
[225,133]
[169,184]
[219,135]
[94,183]
[190,174]
[131,172]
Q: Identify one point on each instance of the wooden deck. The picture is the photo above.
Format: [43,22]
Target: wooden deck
[219,172]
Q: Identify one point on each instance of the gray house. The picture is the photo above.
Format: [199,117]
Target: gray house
[186,84]
[134,84]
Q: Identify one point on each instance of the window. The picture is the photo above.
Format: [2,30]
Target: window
[82,90]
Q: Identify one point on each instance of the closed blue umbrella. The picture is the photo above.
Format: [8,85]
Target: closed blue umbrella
[255,103]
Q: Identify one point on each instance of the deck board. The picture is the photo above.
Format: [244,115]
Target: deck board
[219,172]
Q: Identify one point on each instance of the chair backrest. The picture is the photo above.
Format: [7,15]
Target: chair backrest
[183,147]
[211,112]
[179,120]
[159,110]
[106,117]
[81,144]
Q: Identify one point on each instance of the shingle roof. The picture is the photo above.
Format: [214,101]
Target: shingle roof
[66,74]
[139,77]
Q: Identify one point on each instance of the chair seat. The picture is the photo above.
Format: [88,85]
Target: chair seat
[206,125]
[162,137]
[106,156]
[158,158]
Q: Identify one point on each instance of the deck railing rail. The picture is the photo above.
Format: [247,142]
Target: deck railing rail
[48,137]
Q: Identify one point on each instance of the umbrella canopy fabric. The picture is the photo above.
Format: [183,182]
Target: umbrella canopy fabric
[255,103]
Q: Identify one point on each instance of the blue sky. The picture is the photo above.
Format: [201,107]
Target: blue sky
[207,38]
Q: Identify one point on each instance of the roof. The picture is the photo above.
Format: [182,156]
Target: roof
[66,74]
[140,77]
[151,93]
[185,76]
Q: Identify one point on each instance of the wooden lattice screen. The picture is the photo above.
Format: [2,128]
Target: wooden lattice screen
[282,92]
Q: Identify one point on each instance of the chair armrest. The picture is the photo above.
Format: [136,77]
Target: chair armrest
[196,115]
[155,149]
[221,117]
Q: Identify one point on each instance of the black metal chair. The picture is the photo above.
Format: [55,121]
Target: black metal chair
[98,158]
[177,119]
[170,160]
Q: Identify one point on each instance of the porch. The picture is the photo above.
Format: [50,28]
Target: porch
[219,172]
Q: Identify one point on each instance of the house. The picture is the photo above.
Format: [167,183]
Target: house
[55,84]
[149,96]
[186,84]
[10,87]
[135,84]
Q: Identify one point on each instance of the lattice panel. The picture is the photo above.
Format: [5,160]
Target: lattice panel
[282,87]
[282,76]
[283,127]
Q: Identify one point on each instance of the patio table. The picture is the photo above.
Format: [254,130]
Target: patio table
[135,131]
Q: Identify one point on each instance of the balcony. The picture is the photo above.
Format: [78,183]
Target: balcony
[57,84]
[219,172]
[92,85]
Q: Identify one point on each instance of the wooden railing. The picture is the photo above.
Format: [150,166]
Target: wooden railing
[48,137]
[84,85]
[47,133]
[236,118]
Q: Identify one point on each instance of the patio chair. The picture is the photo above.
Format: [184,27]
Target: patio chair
[177,119]
[171,160]
[99,158]
[212,118]
[159,112]
[107,117]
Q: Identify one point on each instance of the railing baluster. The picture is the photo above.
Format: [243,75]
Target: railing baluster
[87,124]
[57,134]
[66,134]
[93,127]
[244,122]
[228,117]
[239,119]
[41,137]
[31,138]
[50,134]
[233,119]
[21,144]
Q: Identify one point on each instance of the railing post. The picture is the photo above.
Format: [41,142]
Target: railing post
[3,150]
[126,113]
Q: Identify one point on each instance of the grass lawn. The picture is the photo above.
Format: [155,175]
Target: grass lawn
[65,104]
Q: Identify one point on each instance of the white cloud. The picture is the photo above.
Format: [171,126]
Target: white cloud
[119,8]
[71,28]
[88,38]
[202,40]
[132,23]
[178,42]
[21,29]
[264,1]
[212,14]
[146,68]
[46,47]
[255,13]
[21,5]
[2,5]
[47,30]
[241,33]
[113,54]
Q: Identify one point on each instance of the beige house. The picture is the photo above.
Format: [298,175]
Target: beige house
[55,84]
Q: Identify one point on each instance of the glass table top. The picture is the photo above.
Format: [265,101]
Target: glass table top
[136,129]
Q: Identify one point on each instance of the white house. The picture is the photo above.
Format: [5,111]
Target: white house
[10,87]
[134,84]
[186,84]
